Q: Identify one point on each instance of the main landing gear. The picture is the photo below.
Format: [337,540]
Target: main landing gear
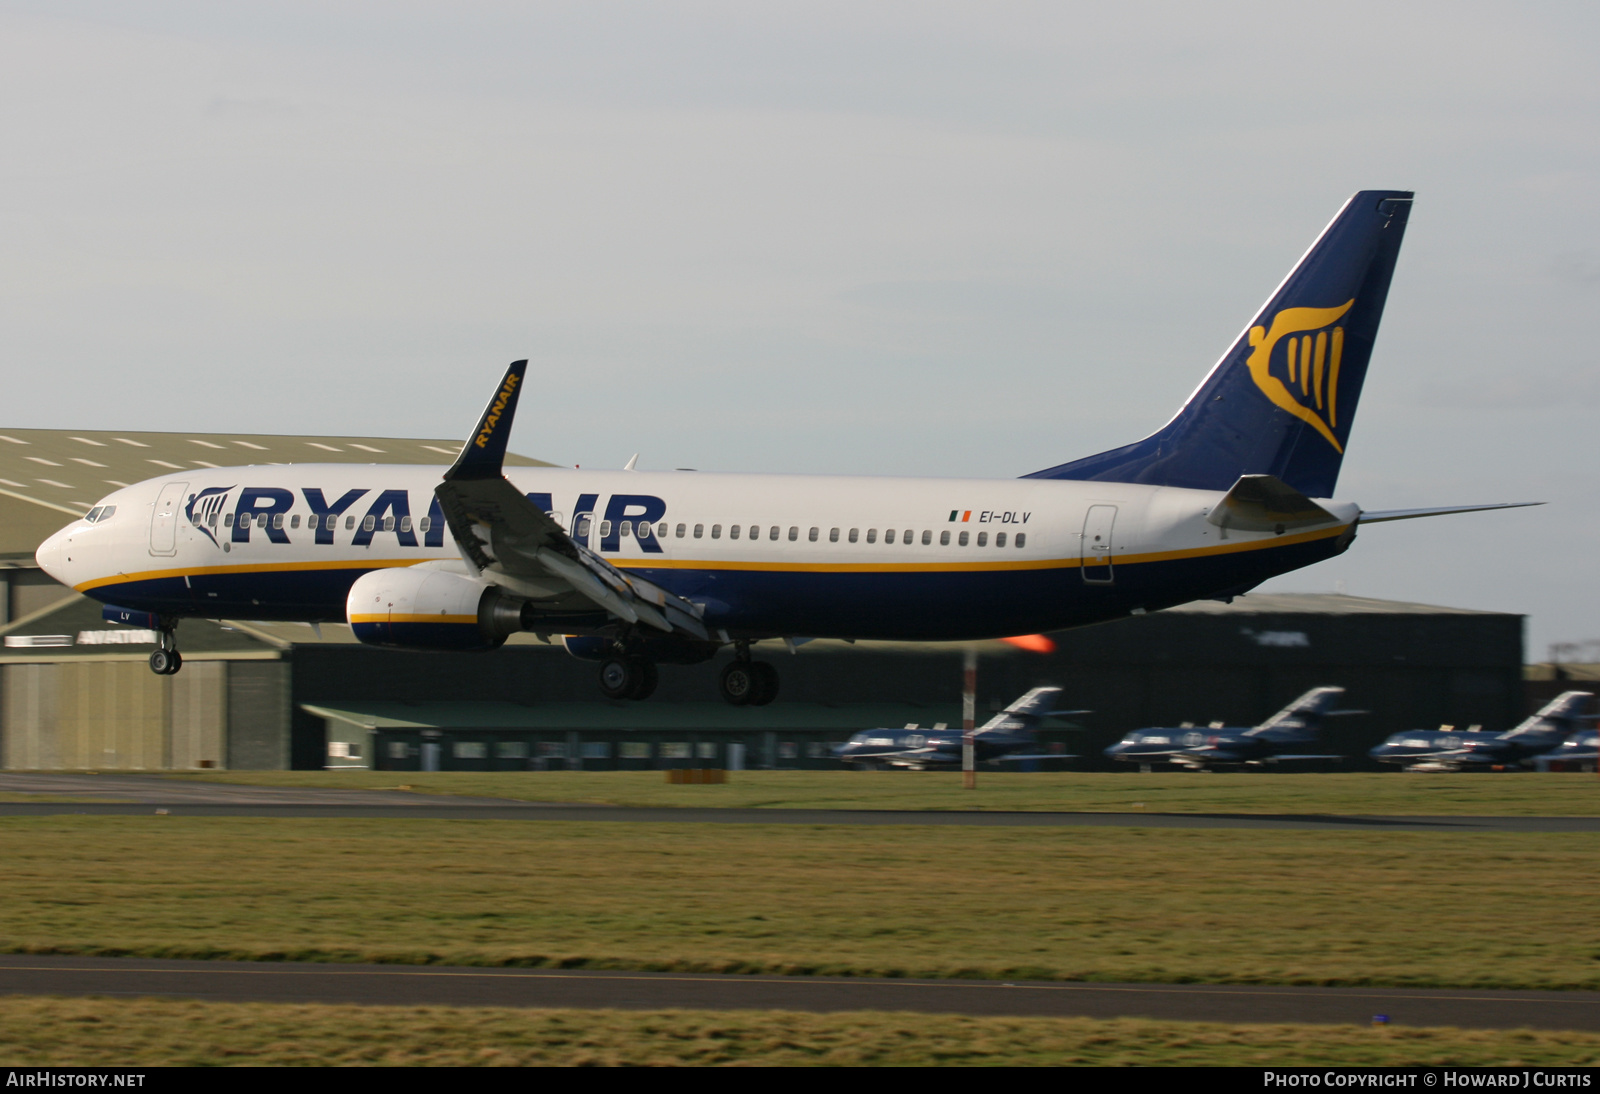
[167,660]
[747,683]
[628,677]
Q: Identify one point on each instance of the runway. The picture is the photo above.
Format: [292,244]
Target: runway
[235,981]
[142,795]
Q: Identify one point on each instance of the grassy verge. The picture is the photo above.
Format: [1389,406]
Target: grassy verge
[1526,794]
[1284,907]
[153,1033]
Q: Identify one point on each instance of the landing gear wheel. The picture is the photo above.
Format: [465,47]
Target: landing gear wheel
[739,682]
[165,662]
[628,678]
[617,677]
[766,679]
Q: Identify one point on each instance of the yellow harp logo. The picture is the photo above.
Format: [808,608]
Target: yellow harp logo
[1304,379]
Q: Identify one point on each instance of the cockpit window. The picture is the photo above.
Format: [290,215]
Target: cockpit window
[100,513]
[93,515]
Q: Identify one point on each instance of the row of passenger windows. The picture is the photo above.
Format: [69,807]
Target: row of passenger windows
[775,532]
[315,520]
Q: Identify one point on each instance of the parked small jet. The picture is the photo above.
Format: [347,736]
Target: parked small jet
[1279,738]
[1003,737]
[1447,750]
[1582,748]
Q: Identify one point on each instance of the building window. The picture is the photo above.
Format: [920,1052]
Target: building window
[552,750]
[597,750]
[705,750]
[999,539]
[674,750]
[511,750]
[399,750]
[983,539]
[469,750]
[788,751]
[1022,538]
[634,750]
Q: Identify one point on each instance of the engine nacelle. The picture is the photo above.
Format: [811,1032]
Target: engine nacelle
[416,608]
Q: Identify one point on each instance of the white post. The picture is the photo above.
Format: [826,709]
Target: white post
[969,699]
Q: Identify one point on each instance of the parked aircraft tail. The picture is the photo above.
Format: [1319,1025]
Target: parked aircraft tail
[1281,401]
[1557,719]
[1301,719]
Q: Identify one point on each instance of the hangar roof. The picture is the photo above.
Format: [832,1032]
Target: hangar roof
[50,475]
[1320,604]
[625,715]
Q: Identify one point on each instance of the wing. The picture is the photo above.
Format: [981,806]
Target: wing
[508,540]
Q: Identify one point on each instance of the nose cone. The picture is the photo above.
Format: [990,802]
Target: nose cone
[52,556]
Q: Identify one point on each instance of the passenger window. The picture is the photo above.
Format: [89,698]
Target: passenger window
[644,530]
[833,535]
[983,539]
[405,524]
[927,538]
[425,524]
[605,528]
[755,531]
[682,529]
[368,523]
[794,533]
[888,536]
[227,520]
[733,531]
[699,529]
[661,531]
[211,520]
[999,539]
[627,529]
[716,531]
[388,523]
[1022,538]
[853,535]
[944,539]
[816,532]
[583,527]
[294,521]
[261,521]
[349,523]
[872,535]
[961,540]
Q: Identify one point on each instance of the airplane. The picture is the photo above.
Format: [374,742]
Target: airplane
[1582,749]
[1446,750]
[1003,737]
[1273,741]
[634,568]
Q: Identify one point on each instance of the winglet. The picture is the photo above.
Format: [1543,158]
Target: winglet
[485,451]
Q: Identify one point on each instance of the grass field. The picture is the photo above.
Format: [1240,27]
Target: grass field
[1287,907]
[1525,794]
[153,1033]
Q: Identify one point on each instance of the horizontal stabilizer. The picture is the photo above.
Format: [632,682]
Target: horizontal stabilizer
[1410,514]
[1261,503]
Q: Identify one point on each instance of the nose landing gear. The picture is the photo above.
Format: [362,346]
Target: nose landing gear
[167,660]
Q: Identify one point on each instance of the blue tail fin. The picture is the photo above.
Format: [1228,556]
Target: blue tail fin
[1281,400]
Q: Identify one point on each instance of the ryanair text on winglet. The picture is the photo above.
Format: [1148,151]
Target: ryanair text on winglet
[491,419]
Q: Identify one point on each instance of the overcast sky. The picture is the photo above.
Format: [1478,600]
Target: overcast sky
[921,238]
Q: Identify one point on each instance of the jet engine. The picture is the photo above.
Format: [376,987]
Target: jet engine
[419,608]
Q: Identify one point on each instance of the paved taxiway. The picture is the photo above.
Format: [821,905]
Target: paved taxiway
[235,981]
[136,795]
